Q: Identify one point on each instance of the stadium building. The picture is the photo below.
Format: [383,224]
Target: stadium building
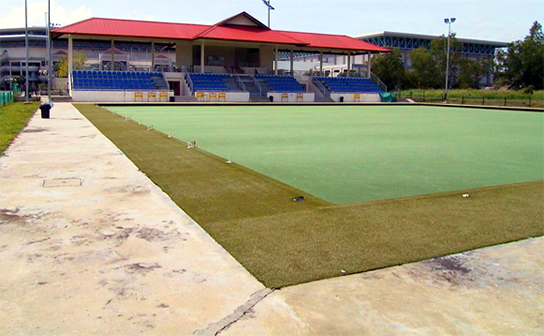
[336,64]
[237,59]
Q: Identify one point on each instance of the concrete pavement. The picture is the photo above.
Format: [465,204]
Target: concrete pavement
[491,291]
[89,245]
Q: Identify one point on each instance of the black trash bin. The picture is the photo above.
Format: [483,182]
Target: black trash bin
[341,99]
[45,109]
[271,98]
[172,99]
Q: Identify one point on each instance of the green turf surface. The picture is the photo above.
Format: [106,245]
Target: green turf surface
[13,118]
[284,243]
[349,154]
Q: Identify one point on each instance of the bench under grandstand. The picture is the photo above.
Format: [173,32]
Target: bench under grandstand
[118,81]
[349,85]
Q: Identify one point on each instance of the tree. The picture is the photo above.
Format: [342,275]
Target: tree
[78,62]
[522,64]
[390,69]
[472,71]
[430,64]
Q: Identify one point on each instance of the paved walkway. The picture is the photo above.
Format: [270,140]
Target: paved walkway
[90,246]
[492,291]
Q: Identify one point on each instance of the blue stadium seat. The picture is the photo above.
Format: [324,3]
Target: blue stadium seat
[113,80]
[349,85]
[282,83]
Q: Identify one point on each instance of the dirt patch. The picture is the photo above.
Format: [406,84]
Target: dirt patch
[138,190]
[12,216]
[35,130]
[120,235]
[454,264]
[141,268]
[453,269]
[150,234]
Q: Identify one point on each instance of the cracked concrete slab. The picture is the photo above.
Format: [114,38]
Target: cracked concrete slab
[492,291]
[113,255]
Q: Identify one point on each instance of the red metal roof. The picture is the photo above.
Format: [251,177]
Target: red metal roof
[220,31]
[132,28]
[248,34]
[327,41]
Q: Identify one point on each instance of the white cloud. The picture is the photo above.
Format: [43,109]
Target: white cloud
[36,15]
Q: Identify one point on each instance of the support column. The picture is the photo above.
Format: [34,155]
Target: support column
[349,65]
[292,67]
[369,65]
[321,64]
[202,58]
[152,56]
[70,62]
[276,61]
[112,52]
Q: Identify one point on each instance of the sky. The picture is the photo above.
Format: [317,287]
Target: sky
[499,20]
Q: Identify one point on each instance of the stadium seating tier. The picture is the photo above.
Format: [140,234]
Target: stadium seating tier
[349,85]
[115,80]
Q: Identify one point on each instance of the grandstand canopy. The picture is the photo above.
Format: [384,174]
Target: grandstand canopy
[241,28]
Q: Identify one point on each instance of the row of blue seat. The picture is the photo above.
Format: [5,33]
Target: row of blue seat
[114,73]
[113,80]
[209,82]
[344,84]
[282,83]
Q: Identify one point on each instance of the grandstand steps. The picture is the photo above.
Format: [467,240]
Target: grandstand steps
[319,95]
[250,86]
[160,83]
[231,84]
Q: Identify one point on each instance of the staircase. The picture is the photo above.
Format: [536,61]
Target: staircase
[160,83]
[322,94]
[255,94]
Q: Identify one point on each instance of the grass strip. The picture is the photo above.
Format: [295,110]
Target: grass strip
[13,118]
[285,243]
[293,248]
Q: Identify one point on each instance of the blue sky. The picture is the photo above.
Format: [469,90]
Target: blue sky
[482,19]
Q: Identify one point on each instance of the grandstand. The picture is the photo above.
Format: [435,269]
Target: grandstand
[235,60]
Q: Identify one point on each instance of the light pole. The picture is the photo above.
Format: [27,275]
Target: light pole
[448,22]
[267,4]
[49,52]
[26,52]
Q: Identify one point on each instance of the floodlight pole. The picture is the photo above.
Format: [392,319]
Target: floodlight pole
[26,52]
[49,52]
[270,8]
[448,22]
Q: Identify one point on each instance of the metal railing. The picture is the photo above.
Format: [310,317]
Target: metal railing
[189,80]
[422,96]
[258,85]
[240,82]
[320,87]
[378,81]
